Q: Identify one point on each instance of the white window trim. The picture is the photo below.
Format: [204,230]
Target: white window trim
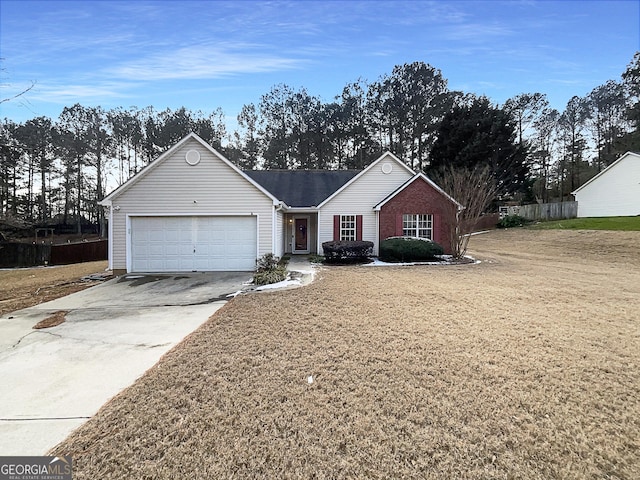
[348,233]
[418,223]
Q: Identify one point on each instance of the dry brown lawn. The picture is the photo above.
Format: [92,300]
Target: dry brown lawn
[526,366]
[26,287]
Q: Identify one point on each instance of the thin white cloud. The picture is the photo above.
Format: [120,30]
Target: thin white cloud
[570,82]
[476,32]
[203,62]
[77,92]
[380,53]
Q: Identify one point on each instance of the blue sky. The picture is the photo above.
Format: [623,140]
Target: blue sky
[209,54]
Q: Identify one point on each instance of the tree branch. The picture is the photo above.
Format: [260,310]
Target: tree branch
[33,84]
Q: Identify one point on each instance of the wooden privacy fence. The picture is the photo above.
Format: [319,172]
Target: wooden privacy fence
[13,254]
[485,222]
[66,254]
[546,211]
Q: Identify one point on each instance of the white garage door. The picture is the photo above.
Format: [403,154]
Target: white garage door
[187,244]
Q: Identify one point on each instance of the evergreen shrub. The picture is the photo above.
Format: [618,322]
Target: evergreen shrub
[270,269]
[511,221]
[347,251]
[409,249]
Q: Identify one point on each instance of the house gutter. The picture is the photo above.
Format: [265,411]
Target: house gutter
[310,209]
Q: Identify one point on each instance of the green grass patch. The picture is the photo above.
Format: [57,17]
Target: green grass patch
[593,223]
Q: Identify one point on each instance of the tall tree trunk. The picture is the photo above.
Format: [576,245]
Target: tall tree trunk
[14,200]
[30,175]
[99,192]
[43,179]
[79,202]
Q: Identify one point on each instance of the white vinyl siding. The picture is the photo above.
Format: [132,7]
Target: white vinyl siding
[175,188]
[360,197]
[420,226]
[615,192]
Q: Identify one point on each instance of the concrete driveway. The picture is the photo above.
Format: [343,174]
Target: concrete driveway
[52,380]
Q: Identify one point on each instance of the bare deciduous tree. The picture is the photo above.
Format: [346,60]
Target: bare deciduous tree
[474,189]
[3,84]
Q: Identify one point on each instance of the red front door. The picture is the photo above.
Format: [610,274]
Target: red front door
[301,238]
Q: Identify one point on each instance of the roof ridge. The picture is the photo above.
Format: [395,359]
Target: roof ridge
[302,170]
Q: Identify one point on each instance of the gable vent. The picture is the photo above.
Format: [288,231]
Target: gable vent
[192,157]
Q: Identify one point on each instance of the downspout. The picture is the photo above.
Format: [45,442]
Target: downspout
[110,239]
[318,246]
[376,250]
[457,239]
[109,205]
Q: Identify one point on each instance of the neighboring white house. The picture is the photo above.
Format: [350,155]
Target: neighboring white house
[614,192]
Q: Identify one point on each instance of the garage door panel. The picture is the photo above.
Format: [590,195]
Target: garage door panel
[174,244]
[172,249]
[172,235]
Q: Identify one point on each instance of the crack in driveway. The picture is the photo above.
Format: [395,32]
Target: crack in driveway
[31,333]
[89,340]
[35,419]
[222,298]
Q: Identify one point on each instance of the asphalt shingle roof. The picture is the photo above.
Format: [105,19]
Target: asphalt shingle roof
[302,188]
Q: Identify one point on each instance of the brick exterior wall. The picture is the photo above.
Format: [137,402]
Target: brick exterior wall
[420,198]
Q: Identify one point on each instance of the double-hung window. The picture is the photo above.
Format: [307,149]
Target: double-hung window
[415,225]
[347,227]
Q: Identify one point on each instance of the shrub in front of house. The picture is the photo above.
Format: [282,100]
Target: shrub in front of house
[409,249]
[315,258]
[511,221]
[270,269]
[347,251]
